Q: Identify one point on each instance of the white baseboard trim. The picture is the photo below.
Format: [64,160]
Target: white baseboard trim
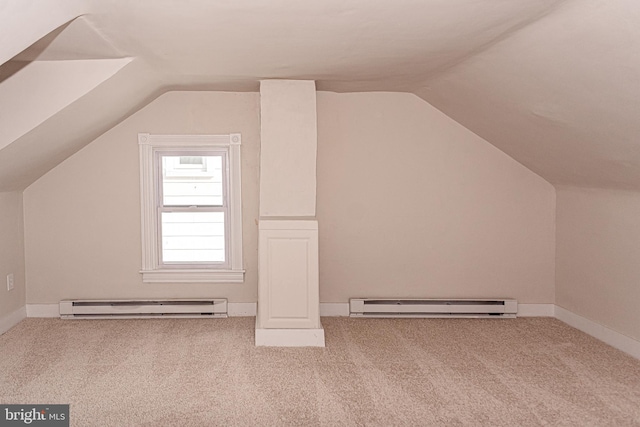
[289,337]
[536,310]
[43,310]
[596,330]
[242,309]
[12,319]
[334,309]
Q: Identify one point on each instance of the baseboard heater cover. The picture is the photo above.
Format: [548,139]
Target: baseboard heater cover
[469,308]
[136,309]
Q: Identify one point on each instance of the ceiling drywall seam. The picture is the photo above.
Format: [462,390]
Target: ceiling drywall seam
[27,159]
[23,22]
[561,96]
[76,39]
[496,40]
[43,88]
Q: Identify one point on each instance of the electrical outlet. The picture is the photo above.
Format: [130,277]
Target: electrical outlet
[9,281]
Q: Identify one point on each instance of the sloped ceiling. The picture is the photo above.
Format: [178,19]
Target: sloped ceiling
[553,83]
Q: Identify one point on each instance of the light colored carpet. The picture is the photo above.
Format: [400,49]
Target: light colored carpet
[374,372]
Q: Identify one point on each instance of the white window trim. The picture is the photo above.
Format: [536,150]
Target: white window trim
[151,268]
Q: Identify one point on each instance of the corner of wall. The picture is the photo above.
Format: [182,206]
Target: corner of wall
[12,258]
[12,319]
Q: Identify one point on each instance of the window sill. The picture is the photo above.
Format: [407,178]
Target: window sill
[192,276]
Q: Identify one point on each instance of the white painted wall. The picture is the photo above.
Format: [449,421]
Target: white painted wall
[288,155]
[412,204]
[11,253]
[598,253]
[82,219]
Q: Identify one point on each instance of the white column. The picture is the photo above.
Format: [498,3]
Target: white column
[288,293]
[288,148]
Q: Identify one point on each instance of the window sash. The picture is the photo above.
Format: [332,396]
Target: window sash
[190,264]
[170,174]
[161,208]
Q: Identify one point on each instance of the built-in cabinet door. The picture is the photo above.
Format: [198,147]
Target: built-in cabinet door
[288,294]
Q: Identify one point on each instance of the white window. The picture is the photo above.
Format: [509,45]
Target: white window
[191,208]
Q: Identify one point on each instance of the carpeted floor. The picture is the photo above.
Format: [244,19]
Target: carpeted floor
[373,372]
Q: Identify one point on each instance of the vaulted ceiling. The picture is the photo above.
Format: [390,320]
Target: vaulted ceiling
[553,83]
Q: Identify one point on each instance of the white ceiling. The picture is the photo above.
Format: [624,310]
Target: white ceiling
[553,83]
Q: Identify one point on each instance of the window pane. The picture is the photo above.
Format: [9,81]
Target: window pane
[192,160]
[193,237]
[192,181]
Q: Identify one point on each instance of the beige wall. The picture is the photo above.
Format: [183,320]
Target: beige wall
[598,257]
[411,204]
[82,219]
[11,252]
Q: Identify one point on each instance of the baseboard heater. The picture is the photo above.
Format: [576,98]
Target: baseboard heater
[135,309]
[470,308]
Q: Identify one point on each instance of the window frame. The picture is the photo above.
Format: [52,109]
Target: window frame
[153,269]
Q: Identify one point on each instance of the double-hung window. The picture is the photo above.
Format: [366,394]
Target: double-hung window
[191,208]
